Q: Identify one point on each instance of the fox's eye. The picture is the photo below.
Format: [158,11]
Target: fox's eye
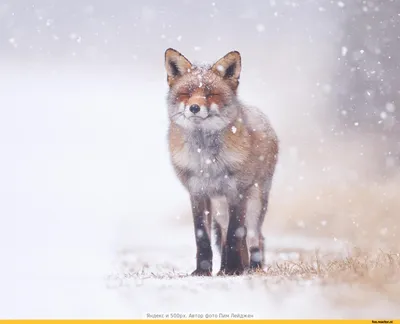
[212,95]
[183,96]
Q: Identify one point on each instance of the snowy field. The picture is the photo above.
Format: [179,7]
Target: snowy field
[95,225]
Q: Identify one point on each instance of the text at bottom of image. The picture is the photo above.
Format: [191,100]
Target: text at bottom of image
[197,316]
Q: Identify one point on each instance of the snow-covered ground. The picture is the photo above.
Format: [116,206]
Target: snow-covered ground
[93,222]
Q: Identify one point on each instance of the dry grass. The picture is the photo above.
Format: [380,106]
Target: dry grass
[362,277]
[379,268]
[359,267]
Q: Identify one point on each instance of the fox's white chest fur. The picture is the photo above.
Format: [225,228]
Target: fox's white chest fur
[208,164]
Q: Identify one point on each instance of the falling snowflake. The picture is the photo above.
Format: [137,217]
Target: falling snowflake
[260,28]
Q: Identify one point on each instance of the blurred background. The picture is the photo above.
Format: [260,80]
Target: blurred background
[85,169]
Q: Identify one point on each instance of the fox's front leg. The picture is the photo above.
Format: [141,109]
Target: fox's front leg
[235,258]
[202,229]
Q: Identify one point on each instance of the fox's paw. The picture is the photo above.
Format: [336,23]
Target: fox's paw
[201,273]
[256,271]
[256,266]
[221,273]
[231,272]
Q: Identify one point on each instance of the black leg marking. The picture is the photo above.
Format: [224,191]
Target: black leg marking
[234,253]
[202,229]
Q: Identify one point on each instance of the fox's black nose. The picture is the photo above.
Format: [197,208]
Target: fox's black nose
[194,109]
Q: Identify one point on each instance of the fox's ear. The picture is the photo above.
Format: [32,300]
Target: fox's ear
[176,65]
[229,68]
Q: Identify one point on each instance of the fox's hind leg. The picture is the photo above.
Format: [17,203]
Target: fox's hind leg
[218,235]
[261,236]
[255,214]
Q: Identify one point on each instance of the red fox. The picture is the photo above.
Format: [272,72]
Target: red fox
[224,153]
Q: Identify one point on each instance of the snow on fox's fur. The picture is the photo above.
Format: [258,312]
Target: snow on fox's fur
[225,154]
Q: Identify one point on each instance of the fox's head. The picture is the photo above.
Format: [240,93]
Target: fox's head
[202,96]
